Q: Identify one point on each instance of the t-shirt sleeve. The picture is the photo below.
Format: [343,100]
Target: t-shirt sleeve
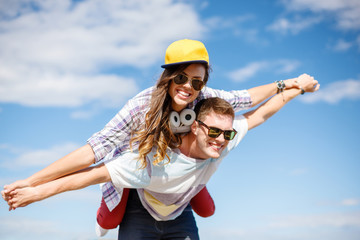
[241,126]
[126,172]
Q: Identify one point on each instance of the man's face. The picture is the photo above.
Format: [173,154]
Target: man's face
[208,147]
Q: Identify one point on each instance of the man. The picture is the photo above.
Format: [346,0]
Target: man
[159,209]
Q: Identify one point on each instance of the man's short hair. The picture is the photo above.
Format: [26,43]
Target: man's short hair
[218,105]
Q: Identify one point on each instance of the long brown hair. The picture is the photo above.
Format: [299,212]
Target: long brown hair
[156,132]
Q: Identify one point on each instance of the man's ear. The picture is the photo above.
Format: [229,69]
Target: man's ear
[194,127]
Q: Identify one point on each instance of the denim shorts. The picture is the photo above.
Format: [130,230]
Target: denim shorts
[138,224]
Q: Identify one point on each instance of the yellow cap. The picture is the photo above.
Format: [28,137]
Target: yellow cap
[185,51]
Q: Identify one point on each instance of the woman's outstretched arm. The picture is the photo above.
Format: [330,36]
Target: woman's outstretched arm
[274,104]
[75,161]
[261,93]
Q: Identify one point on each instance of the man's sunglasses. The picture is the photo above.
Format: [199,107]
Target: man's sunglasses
[214,132]
[197,84]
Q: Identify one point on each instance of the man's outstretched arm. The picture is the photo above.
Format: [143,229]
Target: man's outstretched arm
[84,178]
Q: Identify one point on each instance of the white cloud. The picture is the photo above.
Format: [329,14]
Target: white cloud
[229,22]
[342,45]
[331,226]
[56,53]
[335,92]
[83,114]
[250,70]
[48,88]
[23,225]
[337,220]
[285,26]
[10,149]
[285,66]
[238,26]
[20,226]
[351,202]
[346,12]
[5,181]
[39,157]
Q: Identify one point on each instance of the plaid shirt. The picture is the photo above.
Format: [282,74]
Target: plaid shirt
[117,133]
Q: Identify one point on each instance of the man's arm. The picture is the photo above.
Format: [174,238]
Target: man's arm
[270,107]
[84,178]
[75,161]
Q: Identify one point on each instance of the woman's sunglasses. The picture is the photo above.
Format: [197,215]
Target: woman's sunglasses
[197,84]
[214,132]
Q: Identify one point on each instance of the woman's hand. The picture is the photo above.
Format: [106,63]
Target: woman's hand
[308,83]
[291,83]
[22,197]
[8,189]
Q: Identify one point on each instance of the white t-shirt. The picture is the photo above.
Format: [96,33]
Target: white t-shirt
[166,189]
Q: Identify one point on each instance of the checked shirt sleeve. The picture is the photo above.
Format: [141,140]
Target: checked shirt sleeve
[117,133]
[239,99]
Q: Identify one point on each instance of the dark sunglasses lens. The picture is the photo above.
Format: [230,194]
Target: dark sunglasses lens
[229,135]
[214,132]
[180,79]
[197,84]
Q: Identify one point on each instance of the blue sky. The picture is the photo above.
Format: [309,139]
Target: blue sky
[67,67]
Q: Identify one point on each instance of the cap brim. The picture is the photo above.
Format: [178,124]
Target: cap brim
[186,62]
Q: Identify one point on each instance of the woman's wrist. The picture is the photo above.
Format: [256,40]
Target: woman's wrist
[291,83]
[280,85]
[302,90]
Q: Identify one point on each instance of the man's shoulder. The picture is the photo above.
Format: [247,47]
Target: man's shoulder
[240,124]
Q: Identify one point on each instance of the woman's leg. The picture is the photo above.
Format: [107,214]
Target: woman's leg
[110,220]
[203,204]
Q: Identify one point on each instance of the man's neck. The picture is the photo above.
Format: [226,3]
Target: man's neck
[187,146]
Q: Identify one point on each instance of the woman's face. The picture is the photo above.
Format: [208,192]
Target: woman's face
[184,94]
